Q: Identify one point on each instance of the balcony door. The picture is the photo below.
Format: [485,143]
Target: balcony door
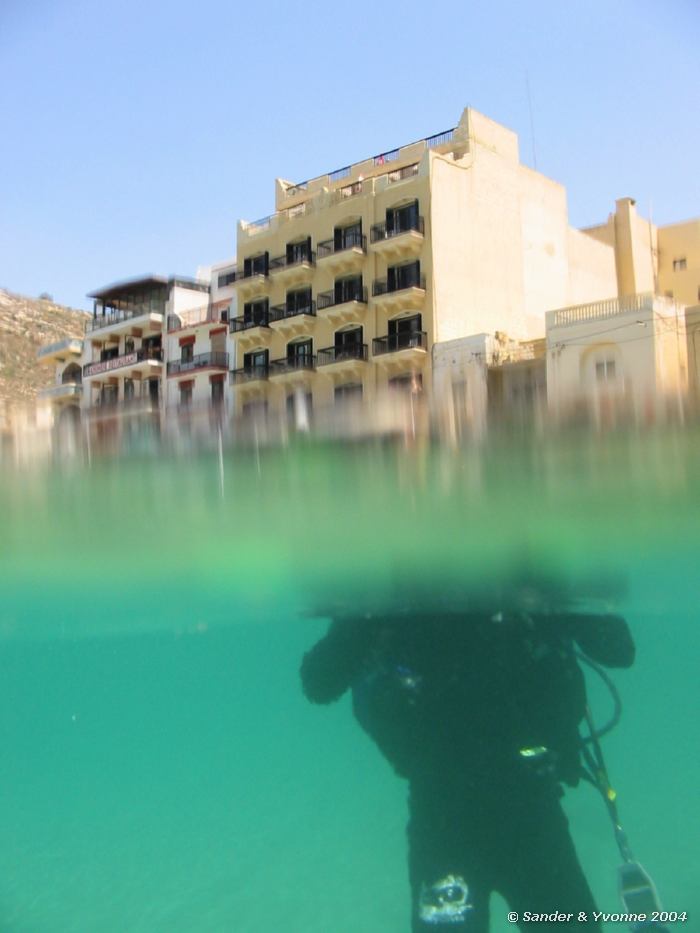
[347,237]
[404,276]
[405,332]
[400,219]
[257,361]
[349,289]
[348,343]
[300,352]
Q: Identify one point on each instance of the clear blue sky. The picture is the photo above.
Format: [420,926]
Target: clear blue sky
[133,135]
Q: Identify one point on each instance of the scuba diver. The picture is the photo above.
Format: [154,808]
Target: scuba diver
[479,709]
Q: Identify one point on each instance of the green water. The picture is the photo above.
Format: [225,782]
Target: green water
[161,770]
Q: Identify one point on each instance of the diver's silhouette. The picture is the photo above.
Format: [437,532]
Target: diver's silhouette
[480,711]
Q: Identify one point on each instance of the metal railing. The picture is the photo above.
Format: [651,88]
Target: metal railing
[67,345]
[351,351]
[216,359]
[126,359]
[351,241]
[280,312]
[65,390]
[286,262]
[382,286]
[349,191]
[227,278]
[340,173]
[249,374]
[292,364]
[330,299]
[399,174]
[379,232]
[392,343]
[440,139]
[117,317]
[384,157]
[246,322]
[293,190]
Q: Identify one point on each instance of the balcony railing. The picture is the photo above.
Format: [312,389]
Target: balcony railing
[417,339]
[195,316]
[126,359]
[380,232]
[117,317]
[292,364]
[280,312]
[330,299]
[246,322]
[351,351]
[351,241]
[214,359]
[286,262]
[400,174]
[249,374]
[383,287]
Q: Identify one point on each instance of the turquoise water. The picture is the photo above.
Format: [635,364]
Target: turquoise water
[162,770]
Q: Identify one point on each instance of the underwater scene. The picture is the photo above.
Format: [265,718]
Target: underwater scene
[166,768]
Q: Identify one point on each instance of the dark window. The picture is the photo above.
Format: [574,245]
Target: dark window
[109,353]
[128,389]
[109,395]
[301,350]
[256,265]
[347,237]
[255,312]
[400,219]
[299,302]
[349,289]
[298,252]
[679,265]
[257,360]
[129,345]
[187,353]
[403,332]
[404,276]
[345,339]
[153,389]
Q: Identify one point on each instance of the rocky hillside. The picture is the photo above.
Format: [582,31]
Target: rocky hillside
[25,325]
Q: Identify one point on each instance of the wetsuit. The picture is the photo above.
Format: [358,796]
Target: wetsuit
[481,714]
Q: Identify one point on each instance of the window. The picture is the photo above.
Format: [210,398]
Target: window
[407,382]
[185,394]
[109,395]
[109,353]
[405,332]
[349,289]
[255,312]
[300,352]
[256,362]
[405,276]
[187,353]
[679,265]
[401,219]
[348,343]
[347,237]
[299,252]
[605,370]
[128,389]
[256,265]
[153,390]
[129,345]
[299,302]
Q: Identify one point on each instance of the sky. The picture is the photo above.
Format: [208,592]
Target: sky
[134,135]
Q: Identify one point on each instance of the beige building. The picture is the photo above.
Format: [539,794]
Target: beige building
[346,289]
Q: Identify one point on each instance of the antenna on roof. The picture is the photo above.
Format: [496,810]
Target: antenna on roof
[532,122]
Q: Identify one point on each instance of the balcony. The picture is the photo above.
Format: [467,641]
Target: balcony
[404,295]
[293,369]
[214,359]
[396,350]
[249,283]
[144,361]
[249,376]
[61,394]
[292,321]
[346,359]
[196,316]
[252,331]
[293,270]
[344,308]
[125,322]
[399,241]
[61,350]
[345,257]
